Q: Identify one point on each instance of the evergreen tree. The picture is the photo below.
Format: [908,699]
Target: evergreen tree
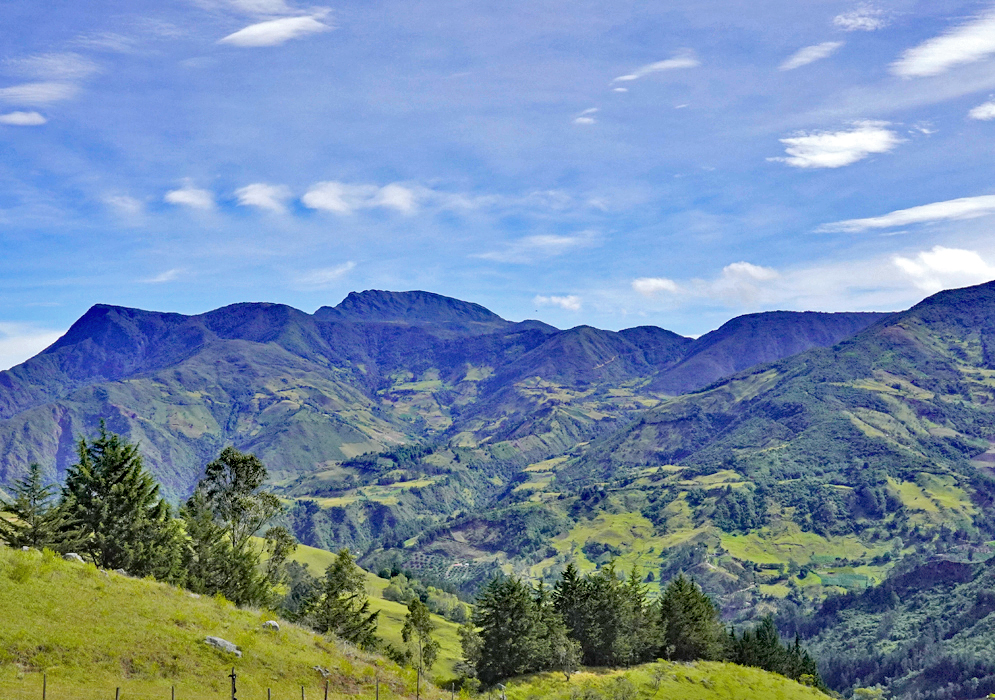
[344,609]
[233,487]
[509,641]
[33,519]
[417,633]
[116,502]
[689,622]
[228,506]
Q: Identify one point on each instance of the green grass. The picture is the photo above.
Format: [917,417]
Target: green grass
[663,679]
[92,631]
[392,613]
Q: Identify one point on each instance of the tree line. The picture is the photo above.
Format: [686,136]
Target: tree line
[110,511]
[602,620]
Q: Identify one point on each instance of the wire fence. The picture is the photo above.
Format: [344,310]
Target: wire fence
[44,688]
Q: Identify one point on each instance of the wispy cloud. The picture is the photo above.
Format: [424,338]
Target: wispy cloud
[569,303]
[52,66]
[20,341]
[587,116]
[22,119]
[322,278]
[167,276]
[124,204]
[942,268]
[983,112]
[963,208]
[967,43]
[264,196]
[538,247]
[38,93]
[865,18]
[810,54]
[343,198]
[274,32]
[682,59]
[739,282]
[834,149]
[190,196]
[261,7]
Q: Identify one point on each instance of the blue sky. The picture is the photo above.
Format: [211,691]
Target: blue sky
[614,164]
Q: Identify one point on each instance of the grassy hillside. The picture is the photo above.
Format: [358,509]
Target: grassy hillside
[392,613]
[663,679]
[93,631]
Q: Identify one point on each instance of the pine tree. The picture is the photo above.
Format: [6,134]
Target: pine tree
[344,609]
[689,622]
[506,620]
[116,502]
[233,487]
[33,519]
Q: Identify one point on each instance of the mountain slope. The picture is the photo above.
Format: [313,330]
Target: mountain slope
[755,339]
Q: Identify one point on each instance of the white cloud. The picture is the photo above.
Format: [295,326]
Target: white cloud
[167,276]
[264,196]
[20,341]
[274,32]
[810,54]
[967,43]
[739,282]
[864,19]
[22,119]
[983,112]
[531,248]
[261,7]
[683,59]
[942,268]
[190,196]
[587,116]
[322,278]
[570,303]
[964,208]
[53,66]
[38,93]
[620,89]
[648,286]
[834,149]
[343,198]
[124,204]
[395,196]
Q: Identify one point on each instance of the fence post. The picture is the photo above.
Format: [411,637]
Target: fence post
[44,686]
[326,690]
[117,694]
[267,695]
[172,692]
[233,677]
[302,692]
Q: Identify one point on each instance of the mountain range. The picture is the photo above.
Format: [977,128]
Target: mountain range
[381,369]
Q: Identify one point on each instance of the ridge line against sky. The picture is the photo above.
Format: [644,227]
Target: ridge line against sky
[609,166]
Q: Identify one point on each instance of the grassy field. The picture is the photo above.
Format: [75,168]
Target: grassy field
[92,631]
[663,679]
[392,613]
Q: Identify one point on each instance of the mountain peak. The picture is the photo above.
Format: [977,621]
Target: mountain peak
[414,307]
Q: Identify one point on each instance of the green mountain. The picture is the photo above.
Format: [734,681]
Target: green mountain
[308,392]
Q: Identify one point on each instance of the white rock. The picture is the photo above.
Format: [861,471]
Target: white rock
[223,645]
[271,625]
[73,556]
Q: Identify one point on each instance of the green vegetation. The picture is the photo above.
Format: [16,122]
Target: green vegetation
[92,631]
[700,680]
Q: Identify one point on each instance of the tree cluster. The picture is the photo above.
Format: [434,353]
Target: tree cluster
[602,620]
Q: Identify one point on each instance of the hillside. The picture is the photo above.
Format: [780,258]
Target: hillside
[702,680]
[310,394]
[91,632]
[924,633]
